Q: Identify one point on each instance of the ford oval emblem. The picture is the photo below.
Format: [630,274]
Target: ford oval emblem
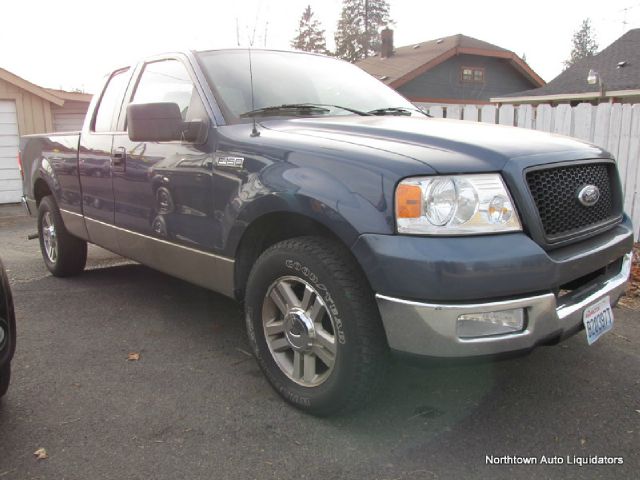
[589,195]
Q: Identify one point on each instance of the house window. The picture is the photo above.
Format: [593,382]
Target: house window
[472,75]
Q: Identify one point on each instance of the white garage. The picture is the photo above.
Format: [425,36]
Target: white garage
[10,181]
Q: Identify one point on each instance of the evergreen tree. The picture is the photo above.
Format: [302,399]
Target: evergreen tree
[584,43]
[350,27]
[310,34]
[357,35]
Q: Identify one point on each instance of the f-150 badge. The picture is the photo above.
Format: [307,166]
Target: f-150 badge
[226,161]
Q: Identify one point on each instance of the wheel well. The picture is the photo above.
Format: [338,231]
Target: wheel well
[40,190]
[269,230]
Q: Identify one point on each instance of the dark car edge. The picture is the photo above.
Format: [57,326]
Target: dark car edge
[349,230]
[7,331]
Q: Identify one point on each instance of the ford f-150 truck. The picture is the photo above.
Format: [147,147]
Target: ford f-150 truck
[349,223]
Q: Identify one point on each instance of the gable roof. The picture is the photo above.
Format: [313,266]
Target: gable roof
[574,80]
[70,96]
[9,77]
[410,61]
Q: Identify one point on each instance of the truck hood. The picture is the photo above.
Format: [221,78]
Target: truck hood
[447,146]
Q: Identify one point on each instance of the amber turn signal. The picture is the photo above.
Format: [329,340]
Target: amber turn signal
[408,200]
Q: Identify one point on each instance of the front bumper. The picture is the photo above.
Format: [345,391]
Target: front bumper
[429,329]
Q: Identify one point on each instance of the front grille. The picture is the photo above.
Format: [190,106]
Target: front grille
[555,193]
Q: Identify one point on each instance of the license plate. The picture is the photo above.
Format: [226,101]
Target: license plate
[598,319]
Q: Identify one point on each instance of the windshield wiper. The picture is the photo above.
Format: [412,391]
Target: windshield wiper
[298,108]
[291,108]
[347,109]
[396,111]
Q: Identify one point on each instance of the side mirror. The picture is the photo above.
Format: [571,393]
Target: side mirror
[160,122]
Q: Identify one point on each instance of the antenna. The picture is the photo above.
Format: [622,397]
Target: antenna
[266,29]
[255,26]
[625,15]
[254,131]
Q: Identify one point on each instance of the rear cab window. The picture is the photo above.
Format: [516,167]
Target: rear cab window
[110,102]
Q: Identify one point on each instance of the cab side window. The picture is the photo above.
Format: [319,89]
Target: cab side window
[110,102]
[169,81]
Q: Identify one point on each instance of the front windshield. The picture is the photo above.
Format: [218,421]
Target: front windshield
[284,78]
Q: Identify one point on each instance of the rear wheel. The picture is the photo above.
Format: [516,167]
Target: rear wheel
[63,254]
[5,377]
[314,326]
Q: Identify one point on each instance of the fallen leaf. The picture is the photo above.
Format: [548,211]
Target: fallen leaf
[41,454]
[133,357]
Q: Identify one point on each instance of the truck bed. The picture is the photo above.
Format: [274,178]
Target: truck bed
[50,161]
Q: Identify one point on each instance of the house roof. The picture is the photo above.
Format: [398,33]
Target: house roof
[572,83]
[410,61]
[19,82]
[71,96]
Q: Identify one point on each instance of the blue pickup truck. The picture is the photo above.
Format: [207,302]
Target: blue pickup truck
[349,223]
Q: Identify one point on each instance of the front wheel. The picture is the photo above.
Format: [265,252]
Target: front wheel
[314,326]
[63,254]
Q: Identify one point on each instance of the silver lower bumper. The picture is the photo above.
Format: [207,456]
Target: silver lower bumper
[430,329]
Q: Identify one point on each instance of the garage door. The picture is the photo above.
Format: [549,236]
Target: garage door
[10,183]
[70,117]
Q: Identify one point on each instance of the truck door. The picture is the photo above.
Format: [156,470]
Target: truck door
[165,189]
[95,159]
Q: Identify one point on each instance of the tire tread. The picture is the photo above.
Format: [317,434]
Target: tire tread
[373,349]
[72,251]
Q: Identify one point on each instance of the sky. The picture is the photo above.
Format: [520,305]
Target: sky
[71,44]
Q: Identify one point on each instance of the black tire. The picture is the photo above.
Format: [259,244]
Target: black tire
[71,252]
[5,378]
[360,361]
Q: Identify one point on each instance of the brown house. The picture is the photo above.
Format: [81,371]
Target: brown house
[455,69]
[26,108]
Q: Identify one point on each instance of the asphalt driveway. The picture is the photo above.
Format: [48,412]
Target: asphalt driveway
[194,405]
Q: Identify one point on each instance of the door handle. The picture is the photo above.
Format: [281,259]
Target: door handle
[118,156]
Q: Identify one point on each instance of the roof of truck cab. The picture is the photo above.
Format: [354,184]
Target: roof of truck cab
[260,50]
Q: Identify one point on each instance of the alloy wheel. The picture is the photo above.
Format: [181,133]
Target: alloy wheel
[300,331]
[49,237]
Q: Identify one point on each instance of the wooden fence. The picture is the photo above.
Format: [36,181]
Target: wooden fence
[614,127]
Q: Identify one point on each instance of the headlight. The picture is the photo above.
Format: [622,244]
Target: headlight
[455,205]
